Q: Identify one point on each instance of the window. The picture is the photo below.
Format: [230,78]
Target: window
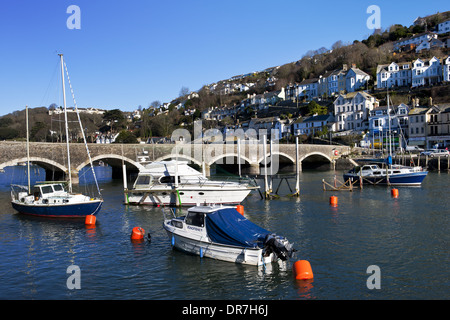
[58,187]
[168,179]
[47,189]
[143,180]
[195,219]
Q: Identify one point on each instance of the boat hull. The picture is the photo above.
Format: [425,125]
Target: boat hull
[408,179]
[249,256]
[73,210]
[188,197]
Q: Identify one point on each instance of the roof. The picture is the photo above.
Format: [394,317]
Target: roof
[418,110]
[351,95]
[323,117]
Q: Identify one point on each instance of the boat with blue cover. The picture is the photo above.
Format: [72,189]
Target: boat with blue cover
[222,233]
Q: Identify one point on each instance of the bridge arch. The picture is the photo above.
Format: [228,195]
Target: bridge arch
[110,156]
[228,155]
[315,153]
[180,156]
[45,163]
[282,154]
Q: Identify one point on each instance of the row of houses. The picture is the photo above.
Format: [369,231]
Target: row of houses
[421,72]
[360,113]
[419,42]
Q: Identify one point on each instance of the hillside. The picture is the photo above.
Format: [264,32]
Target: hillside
[365,55]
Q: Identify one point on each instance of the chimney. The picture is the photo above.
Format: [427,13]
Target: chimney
[344,67]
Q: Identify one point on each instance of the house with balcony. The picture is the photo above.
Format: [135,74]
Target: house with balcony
[426,72]
[394,118]
[437,126]
[394,75]
[352,110]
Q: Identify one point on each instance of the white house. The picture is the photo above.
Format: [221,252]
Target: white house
[443,27]
[352,110]
[429,44]
[426,72]
[446,69]
[379,121]
[311,125]
[355,79]
[307,88]
[394,74]
[414,40]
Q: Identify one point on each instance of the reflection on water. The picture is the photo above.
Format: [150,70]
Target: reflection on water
[406,237]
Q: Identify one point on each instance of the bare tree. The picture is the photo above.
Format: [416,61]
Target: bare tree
[184,91]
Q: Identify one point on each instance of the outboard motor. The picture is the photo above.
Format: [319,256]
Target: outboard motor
[280,246]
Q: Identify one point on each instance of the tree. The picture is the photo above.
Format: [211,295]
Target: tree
[315,108]
[155,104]
[115,117]
[184,91]
[126,137]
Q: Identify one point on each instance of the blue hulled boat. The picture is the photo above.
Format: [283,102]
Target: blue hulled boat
[395,175]
[51,199]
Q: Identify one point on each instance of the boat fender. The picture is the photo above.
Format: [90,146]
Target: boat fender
[44,201]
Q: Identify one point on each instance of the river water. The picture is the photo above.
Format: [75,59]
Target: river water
[406,238]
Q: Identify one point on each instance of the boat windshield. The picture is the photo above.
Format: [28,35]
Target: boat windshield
[147,179]
[195,219]
[58,187]
[46,189]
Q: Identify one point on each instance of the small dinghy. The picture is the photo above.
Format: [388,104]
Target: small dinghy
[222,233]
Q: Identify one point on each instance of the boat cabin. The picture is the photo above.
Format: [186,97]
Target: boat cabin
[45,191]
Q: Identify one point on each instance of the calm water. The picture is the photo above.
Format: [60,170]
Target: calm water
[407,238]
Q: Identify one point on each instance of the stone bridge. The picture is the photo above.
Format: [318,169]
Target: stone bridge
[53,156]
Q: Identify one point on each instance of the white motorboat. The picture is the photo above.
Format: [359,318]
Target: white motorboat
[222,233]
[175,183]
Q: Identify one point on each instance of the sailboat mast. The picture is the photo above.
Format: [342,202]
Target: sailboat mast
[66,122]
[389,119]
[28,153]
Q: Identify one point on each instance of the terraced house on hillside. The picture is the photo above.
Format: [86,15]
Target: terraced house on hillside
[352,110]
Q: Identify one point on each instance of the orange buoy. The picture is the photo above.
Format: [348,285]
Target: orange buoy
[137,233]
[394,193]
[90,220]
[302,270]
[334,201]
[240,209]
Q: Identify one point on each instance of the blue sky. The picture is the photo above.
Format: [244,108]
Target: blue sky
[130,53]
